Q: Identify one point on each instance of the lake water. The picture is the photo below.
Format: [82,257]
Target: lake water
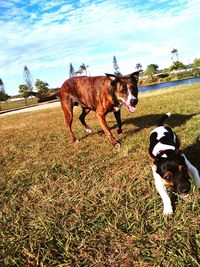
[168,84]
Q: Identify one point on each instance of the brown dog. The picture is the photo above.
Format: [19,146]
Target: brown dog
[102,94]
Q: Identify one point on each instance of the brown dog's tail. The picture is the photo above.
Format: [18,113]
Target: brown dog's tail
[43,97]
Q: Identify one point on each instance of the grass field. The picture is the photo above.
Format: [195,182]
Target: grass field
[89,204]
[17,104]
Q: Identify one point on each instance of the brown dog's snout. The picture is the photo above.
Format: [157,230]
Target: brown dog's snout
[133,102]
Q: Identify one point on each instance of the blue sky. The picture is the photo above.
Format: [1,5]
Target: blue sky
[47,35]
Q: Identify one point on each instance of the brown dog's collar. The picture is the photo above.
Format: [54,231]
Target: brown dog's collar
[114,99]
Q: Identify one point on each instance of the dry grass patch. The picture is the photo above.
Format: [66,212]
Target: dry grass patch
[88,204]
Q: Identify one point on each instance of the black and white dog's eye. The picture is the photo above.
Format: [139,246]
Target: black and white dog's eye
[167,177]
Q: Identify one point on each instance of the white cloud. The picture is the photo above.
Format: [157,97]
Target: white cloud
[55,33]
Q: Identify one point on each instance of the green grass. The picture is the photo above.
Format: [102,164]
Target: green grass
[89,204]
[17,104]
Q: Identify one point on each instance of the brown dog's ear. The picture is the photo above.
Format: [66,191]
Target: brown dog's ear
[135,75]
[111,77]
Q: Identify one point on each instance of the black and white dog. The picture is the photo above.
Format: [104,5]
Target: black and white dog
[170,166]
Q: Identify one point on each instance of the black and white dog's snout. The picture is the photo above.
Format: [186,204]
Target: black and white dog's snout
[184,188]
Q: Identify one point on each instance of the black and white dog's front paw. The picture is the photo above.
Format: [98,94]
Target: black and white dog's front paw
[167,211]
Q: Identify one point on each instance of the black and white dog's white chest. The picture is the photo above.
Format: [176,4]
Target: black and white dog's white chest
[162,138]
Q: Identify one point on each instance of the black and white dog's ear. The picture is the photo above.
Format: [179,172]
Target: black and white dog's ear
[111,77]
[135,75]
[155,162]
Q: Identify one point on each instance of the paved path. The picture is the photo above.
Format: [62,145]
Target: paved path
[28,109]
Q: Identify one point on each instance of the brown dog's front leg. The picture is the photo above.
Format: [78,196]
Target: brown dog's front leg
[118,119]
[106,130]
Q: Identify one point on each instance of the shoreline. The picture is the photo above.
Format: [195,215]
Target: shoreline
[171,81]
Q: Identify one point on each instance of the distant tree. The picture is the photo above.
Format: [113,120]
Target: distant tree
[196,62]
[28,78]
[52,90]
[24,92]
[138,66]
[116,67]
[42,87]
[174,52]
[72,72]
[82,68]
[151,69]
[196,72]
[177,65]
[3,95]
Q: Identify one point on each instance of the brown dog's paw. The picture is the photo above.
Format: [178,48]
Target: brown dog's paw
[119,131]
[117,145]
[87,130]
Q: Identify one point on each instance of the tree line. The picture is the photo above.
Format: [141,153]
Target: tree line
[149,74]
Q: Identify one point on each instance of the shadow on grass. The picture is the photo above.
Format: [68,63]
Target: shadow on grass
[147,121]
[153,119]
[192,152]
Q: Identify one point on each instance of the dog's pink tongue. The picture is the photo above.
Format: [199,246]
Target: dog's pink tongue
[132,109]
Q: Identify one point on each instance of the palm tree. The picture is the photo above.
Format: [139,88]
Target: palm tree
[138,66]
[174,52]
[82,68]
